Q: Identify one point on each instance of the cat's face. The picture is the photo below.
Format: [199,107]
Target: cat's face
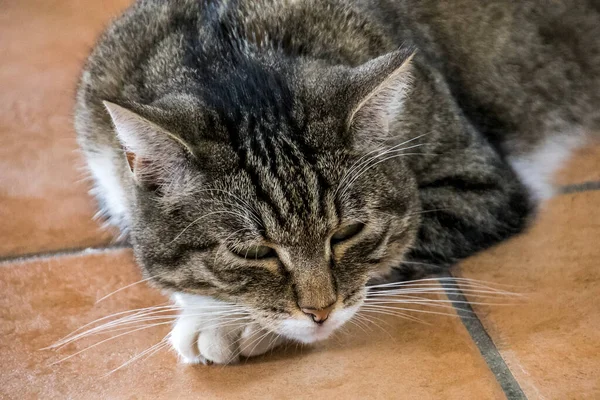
[277,211]
[308,242]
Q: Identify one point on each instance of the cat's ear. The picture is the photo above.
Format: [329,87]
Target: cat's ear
[154,154]
[379,89]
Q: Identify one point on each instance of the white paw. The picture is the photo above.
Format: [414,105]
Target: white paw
[208,331]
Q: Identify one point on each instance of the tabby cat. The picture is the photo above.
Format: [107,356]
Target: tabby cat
[267,159]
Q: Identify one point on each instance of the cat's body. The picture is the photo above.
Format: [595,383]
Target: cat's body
[285,114]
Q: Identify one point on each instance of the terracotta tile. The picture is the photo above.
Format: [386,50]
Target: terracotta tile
[551,342]
[43,202]
[44,300]
[583,167]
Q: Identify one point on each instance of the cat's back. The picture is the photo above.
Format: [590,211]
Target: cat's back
[139,53]
[521,69]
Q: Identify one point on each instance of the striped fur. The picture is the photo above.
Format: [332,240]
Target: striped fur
[276,123]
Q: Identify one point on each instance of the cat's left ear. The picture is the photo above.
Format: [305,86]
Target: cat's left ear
[154,154]
[379,89]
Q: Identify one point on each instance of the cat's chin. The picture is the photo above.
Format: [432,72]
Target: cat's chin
[305,331]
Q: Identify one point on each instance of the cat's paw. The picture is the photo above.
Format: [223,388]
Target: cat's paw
[216,337]
[199,342]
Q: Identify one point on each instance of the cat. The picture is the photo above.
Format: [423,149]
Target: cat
[267,159]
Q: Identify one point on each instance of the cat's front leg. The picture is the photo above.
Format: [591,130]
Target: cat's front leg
[209,331]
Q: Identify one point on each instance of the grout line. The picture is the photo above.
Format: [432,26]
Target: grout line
[483,341]
[61,253]
[580,187]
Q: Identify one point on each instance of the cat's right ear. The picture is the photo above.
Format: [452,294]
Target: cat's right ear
[154,154]
[377,91]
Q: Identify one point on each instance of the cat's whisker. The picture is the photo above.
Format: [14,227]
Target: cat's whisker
[258,343]
[434,283]
[350,183]
[415,287]
[425,212]
[407,302]
[381,153]
[489,293]
[130,285]
[108,328]
[165,344]
[364,321]
[104,332]
[150,350]
[221,315]
[478,300]
[473,280]
[359,323]
[441,280]
[362,316]
[373,320]
[137,314]
[475,293]
[272,342]
[241,200]
[397,313]
[384,307]
[244,217]
[101,319]
[107,340]
[371,162]
[474,298]
[258,335]
[441,289]
[145,326]
[136,318]
[404,297]
[359,162]
[248,215]
[362,163]
[373,165]
[245,204]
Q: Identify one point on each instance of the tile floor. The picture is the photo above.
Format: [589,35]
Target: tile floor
[545,347]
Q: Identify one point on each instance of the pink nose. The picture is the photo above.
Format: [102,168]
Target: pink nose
[319,315]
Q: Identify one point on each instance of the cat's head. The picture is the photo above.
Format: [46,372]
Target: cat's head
[281,190]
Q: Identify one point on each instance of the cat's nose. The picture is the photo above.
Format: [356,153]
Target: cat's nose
[319,315]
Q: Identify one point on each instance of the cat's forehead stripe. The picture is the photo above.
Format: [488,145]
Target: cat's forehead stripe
[281,172]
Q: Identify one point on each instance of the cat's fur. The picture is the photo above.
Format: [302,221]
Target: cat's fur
[273,123]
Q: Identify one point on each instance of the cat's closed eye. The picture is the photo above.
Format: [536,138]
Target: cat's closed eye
[256,252]
[346,232]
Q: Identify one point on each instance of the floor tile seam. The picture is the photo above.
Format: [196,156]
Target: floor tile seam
[73,252]
[484,342]
[587,186]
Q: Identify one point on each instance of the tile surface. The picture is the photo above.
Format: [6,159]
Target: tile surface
[551,340]
[43,300]
[583,167]
[43,200]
